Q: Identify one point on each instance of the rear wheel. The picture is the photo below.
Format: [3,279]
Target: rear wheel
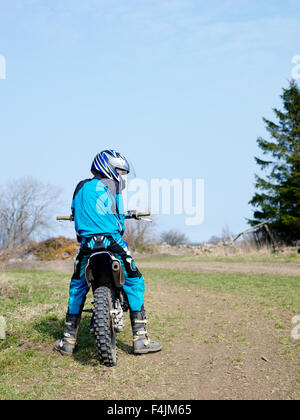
[103,326]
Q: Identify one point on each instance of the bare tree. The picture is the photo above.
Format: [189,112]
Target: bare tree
[226,233]
[174,237]
[214,239]
[139,234]
[225,236]
[25,210]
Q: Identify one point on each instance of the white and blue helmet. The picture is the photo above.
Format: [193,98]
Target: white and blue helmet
[106,163]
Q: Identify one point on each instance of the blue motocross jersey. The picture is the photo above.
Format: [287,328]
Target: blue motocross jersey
[98,207]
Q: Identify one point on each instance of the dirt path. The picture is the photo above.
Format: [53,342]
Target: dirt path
[290,269]
[65,266]
[219,350]
[215,346]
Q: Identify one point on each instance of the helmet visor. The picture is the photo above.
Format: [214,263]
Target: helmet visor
[126,177]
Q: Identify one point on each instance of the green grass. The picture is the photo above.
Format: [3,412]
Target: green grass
[284,291]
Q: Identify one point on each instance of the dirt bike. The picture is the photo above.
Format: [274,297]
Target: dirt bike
[104,275]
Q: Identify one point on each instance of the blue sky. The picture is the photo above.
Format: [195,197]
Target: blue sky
[179,86]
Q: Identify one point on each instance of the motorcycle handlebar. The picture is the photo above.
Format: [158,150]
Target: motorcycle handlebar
[141,214]
[70,218]
[133,215]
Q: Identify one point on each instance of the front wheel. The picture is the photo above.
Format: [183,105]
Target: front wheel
[103,326]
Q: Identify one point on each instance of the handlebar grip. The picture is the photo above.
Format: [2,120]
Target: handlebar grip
[138,214]
[70,218]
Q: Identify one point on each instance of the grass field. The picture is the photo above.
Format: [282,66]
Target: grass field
[225,336]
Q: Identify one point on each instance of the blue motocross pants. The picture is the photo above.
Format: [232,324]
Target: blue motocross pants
[134,286]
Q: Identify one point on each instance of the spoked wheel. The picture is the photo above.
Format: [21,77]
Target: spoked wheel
[103,326]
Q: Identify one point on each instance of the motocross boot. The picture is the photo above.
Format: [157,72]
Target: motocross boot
[66,345]
[141,342]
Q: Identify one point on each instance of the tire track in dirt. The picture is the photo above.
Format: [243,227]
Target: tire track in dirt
[288,269]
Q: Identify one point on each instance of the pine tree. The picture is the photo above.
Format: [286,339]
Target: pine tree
[278,194]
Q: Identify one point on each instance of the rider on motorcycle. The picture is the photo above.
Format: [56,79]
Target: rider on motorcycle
[97,208]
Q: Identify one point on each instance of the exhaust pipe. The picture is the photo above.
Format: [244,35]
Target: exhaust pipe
[115,266]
